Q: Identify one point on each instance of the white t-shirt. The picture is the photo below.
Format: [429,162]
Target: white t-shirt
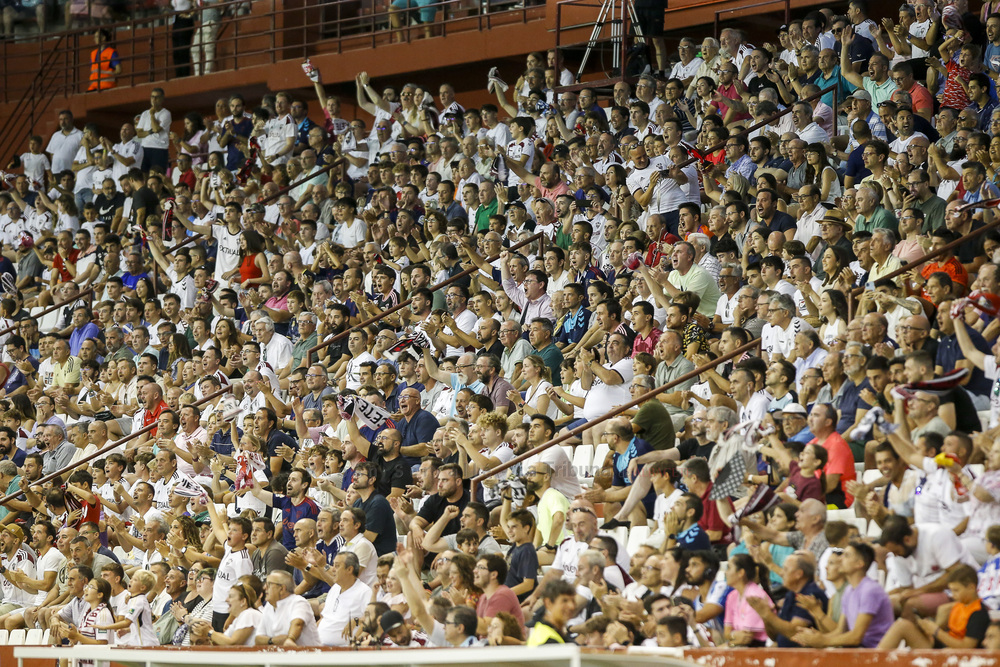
[340,609]
[603,397]
[21,561]
[52,561]
[277,133]
[159,139]
[140,630]
[354,369]
[275,621]
[62,148]
[248,618]
[277,352]
[516,150]
[234,564]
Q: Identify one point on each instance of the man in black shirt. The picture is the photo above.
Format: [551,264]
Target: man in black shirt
[144,201]
[380,526]
[450,491]
[394,471]
[110,203]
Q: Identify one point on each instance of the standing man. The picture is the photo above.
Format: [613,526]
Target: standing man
[153,129]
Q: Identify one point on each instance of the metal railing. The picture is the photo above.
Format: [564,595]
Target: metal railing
[270,32]
[403,304]
[649,395]
[56,306]
[104,450]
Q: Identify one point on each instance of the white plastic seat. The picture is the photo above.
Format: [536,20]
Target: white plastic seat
[45,637]
[569,451]
[620,534]
[861,523]
[601,452]
[3,637]
[984,418]
[870,476]
[840,515]
[33,637]
[583,461]
[49,321]
[859,468]
[16,638]
[874,530]
[721,574]
[636,536]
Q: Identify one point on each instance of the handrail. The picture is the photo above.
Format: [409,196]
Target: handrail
[287,32]
[756,126]
[650,395]
[910,266]
[101,452]
[48,310]
[305,179]
[467,272]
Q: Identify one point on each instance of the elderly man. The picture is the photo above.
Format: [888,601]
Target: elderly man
[345,602]
[287,619]
[810,521]
[798,575]
[687,276]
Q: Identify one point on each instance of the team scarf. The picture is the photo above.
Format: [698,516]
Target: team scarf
[187,487]
[247,463]
[412,343]
[370,415]
[247,169]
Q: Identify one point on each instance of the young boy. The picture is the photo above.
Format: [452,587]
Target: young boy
[134,617]
[523,571]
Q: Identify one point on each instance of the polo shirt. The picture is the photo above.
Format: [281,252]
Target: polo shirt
[553,358]
[66,373]
[790,609]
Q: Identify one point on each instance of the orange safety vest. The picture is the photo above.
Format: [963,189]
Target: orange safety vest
[102,74]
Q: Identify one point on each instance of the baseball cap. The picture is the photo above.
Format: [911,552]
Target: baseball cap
[860,94]
[793,409]
[391,620]
[15,530]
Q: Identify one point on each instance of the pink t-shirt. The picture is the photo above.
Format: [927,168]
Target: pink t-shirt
[741,616]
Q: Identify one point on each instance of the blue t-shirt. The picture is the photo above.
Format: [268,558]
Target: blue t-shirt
[850,403]
[790,609]
[949,352]
[16,379]
[694,539]
[290,513]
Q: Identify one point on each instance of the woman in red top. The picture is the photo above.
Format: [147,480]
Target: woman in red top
[253,263]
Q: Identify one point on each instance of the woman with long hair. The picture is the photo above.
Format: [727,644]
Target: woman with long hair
[834,262]
[253,262]
[194,141]
[461,589]
[819,172]
[97,594]
[743,625]
[833,313]
[179,354]
[673,567]
[536,379]
[240,627]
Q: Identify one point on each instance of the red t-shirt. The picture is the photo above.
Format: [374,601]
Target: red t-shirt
[90,512]
[712,520]
[840,462]
[60,266]
[152,415]
[503,600]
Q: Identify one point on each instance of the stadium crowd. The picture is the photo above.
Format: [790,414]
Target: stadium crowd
[836,483]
